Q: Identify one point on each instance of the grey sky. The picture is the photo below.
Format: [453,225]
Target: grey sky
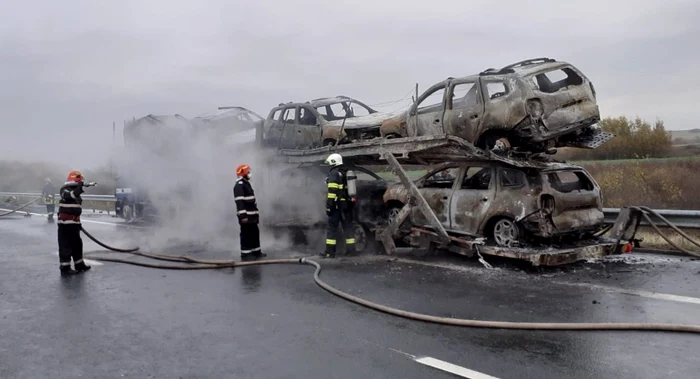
[68,69]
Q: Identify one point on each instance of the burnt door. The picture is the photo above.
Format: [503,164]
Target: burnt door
[464,109]
[308,128]
[426,114]
[437,190]
[472,199]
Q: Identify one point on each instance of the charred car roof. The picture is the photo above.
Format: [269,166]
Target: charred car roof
[323,101]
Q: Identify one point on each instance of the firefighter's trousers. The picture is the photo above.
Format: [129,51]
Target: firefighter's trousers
[50,208]
[250,239]
[70,245]
[335,219]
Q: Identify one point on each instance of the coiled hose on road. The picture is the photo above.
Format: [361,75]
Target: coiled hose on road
[199,264]
[20,208]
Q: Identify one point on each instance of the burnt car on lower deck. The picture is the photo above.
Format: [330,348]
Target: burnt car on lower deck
[509,205]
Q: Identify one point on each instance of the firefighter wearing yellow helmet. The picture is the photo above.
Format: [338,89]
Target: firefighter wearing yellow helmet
[340,203]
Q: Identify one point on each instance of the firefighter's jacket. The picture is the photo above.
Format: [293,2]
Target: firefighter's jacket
[70,205]
[246,205]
[337,197]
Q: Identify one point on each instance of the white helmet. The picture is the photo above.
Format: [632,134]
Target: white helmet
[334,160]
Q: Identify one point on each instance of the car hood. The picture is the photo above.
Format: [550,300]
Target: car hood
[374,119]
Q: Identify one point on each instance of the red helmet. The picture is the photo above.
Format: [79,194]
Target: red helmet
[242,170]
[75,176]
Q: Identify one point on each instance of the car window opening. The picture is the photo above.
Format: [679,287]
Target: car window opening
[307,117]
[441,179]
[553,81]
[511,178]
[432,102]
[569,181]
[477,178]
[496,89]
[464,95]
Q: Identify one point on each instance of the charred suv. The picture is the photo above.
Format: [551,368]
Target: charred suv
[510,206]
[319,122]
[533,105]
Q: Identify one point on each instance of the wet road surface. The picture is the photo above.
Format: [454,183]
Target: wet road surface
[119,321]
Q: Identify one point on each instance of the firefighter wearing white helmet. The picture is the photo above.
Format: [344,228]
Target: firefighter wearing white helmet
[340,202]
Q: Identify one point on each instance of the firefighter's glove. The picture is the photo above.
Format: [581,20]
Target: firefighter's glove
[244,221]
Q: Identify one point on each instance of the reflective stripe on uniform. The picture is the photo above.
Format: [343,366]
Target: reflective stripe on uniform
[67,222]
[79,261]
[248,212]
[250,251]
[330,242]
[64,264]
[335,185]
[70,205]
[350,241]
[332,196]
[244,198]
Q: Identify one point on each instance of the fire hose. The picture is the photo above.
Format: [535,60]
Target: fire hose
[20,208]
[199,264]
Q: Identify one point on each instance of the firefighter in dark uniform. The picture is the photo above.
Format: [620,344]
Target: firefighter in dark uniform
[48,192]
[339,207]
[70,245]
[248,215]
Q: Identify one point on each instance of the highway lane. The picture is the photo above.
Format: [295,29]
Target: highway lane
[274,322]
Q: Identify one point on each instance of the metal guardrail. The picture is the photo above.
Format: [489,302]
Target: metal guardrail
[687,219]
[37,194]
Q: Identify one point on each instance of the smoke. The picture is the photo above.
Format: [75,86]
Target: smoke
[188,174]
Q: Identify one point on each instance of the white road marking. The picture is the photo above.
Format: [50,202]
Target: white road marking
[452,369]
[88,261]
[651,295]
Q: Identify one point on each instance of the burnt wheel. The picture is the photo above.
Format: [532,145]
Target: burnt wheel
[506,232]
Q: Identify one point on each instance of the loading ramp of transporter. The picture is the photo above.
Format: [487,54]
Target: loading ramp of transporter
[424,150]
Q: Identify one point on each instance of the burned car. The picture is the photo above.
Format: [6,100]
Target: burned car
[533,105]
[301,205]
[320,122]
[510,206]
[230,125]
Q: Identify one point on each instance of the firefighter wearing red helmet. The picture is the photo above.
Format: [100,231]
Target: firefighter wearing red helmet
[70,245]
[248,215]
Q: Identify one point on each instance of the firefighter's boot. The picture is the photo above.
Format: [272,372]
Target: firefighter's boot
[82,267]
[68,271]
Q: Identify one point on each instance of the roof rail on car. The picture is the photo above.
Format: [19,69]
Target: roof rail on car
[528,62]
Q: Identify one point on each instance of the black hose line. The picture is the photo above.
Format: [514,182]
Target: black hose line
[200,264]
[21,207]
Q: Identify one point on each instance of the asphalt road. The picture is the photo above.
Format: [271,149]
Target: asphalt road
[119,321]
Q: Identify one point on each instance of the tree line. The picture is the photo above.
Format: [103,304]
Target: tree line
[634,138]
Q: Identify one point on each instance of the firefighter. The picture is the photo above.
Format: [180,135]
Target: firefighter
[339,206]
[70,245]
[248,215]
[48,193]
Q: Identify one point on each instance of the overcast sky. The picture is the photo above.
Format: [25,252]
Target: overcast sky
[68,69]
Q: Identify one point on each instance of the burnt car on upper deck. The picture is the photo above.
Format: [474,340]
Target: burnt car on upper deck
[509,205]
[533,105]
[320,122]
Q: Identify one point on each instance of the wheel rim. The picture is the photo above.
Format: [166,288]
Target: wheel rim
[505,233]
[360,238]
[394,213]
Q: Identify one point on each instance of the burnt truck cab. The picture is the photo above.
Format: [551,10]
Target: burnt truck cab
[298,201]
[508,205]
[533,105]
